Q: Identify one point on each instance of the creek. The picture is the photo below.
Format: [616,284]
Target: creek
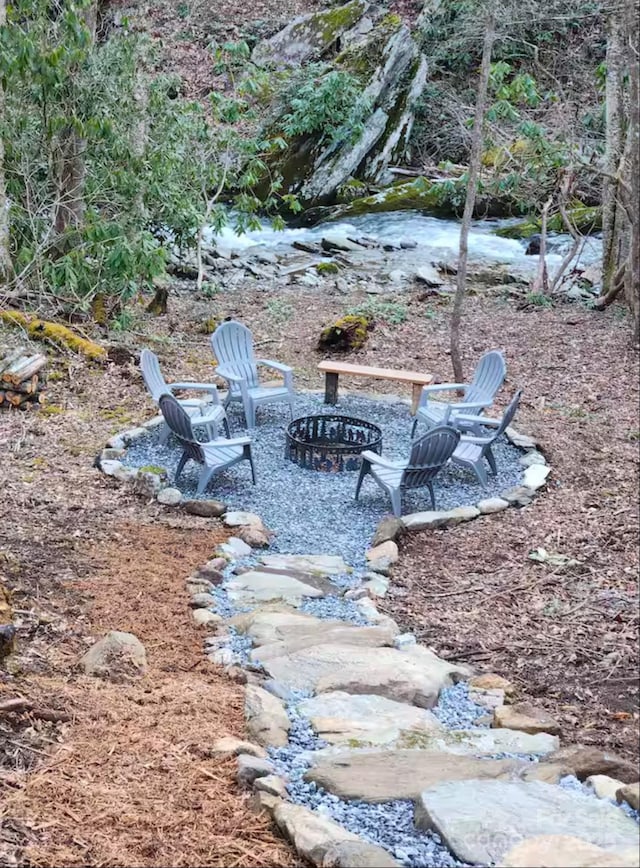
[435,238]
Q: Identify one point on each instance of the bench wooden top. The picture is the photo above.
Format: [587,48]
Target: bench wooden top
[416,377]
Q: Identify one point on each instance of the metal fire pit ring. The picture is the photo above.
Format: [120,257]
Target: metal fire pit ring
[330,443]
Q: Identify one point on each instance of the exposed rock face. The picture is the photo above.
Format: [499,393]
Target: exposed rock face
[480,821]
[309,37]
[267,721]
[381,53]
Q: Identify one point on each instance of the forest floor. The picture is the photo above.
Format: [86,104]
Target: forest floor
[83,556]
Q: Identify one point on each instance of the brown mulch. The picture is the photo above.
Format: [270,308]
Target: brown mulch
[83,555]
[133,782]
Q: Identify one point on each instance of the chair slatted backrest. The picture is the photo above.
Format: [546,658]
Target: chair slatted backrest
[429,454]
[232,345]
[180,423]
[487,378]
[152,375]
[507,418]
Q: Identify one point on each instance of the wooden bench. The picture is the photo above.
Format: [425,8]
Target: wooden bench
[332,371]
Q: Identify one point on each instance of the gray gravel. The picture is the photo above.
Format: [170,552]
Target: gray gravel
[314,512]
[570,782]
[456,711]
[333,607]
[390,824]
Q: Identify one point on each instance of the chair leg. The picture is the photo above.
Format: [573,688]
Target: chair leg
[205,477]
[165,431]
[249,455]
[364,469]
[183,460]
[396,501]
[227,429]
[413,427]
[492,461]
[432,495]
[480,472]
[250,414]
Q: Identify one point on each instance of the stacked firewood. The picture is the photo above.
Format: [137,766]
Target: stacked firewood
[22,378]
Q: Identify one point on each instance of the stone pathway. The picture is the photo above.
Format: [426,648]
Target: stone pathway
[367,749]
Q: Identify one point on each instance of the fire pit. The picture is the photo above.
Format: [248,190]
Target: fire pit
[331,443]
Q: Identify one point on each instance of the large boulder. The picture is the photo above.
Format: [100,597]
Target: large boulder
[391,70]
[117,653]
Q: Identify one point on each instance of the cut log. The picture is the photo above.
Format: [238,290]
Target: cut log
[28,387]
[16,399]
[24,368]
[10,358]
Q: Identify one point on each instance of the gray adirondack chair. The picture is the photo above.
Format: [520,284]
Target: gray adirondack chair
[214,456]
[232,346]
[474,449]
[208,413]
[478,394]
[428,456]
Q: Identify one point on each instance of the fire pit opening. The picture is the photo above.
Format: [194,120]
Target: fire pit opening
[331,443]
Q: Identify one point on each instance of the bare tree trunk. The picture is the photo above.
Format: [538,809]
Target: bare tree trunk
[632,277]
[472,187]
[541,282]
[614,146]
[70,202]
[140,131]
[5,253]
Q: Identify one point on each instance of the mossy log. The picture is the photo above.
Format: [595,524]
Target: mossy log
[348,333]
[585,218]
[61,336]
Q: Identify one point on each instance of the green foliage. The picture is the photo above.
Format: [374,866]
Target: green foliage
[280,311]
[539,299]
[324,101]
[150,166]
[391,312]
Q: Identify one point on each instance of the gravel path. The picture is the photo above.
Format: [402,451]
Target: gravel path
[316,512]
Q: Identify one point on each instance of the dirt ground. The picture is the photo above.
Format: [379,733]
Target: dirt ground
[83,556]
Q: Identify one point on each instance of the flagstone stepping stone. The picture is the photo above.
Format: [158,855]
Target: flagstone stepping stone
[384,775]
[321,583]
[481,820]
[401,675]
[566,851]
[526,717]
[344,718]
[235,548]
[340,634]
[315,837]
[324,565]
[256,587]
[467,742]
[267,720]
[276,633]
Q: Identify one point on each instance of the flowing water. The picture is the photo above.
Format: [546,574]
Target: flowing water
[436,238]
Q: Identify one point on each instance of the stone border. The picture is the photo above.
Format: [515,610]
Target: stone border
[535,472]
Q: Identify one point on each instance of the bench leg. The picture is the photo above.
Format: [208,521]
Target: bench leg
[416,393]
[330,388]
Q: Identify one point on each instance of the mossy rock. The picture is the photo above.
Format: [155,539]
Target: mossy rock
[586,219]
[347,333]
[153,468]
[208,325]
[350,190]
[327,268]
[309,37]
